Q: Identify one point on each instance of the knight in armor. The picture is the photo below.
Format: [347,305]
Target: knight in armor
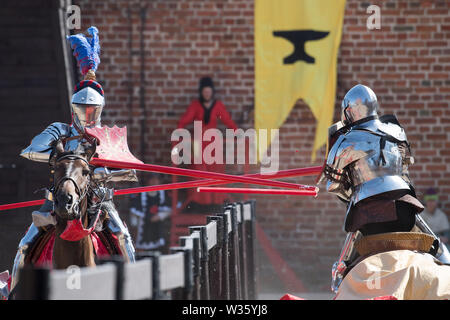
[367,168]
[87,104]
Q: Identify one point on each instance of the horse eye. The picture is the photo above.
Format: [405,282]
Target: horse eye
[85,172]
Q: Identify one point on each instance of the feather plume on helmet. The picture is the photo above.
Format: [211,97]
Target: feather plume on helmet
[88,98]
[87,51]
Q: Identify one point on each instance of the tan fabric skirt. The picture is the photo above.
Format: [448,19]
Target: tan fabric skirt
[403,274]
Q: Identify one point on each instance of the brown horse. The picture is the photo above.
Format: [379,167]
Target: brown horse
[73,207]
[81,212]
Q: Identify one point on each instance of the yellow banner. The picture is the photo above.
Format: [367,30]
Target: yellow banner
[296,48]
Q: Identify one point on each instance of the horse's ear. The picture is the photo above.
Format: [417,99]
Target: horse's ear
[90,149]
[58,148]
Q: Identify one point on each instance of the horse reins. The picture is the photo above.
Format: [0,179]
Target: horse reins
[77,188]
[81,194]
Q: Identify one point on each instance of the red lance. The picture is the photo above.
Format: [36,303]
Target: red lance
[260,191]
[299,172]
[113,152]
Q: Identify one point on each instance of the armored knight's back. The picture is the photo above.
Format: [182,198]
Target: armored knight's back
[367,167]
[370,159]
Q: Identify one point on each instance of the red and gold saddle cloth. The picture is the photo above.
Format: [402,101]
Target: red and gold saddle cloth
[41,252]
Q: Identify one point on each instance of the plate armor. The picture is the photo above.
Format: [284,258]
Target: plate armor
[39,150]
[369,156]
[86,105]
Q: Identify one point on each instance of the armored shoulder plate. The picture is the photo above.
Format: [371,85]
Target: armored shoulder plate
[383,128]
[347,150]
[350,148]
[367,161]
[41,145]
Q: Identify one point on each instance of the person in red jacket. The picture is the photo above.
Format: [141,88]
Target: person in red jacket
[208,110]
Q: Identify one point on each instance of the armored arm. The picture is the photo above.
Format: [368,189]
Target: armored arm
[337,168]
[396,134]
[407,159]
[338,183]
[41,145]
[103,174]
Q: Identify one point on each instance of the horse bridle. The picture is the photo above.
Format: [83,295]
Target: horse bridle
[75,229]
[81,194]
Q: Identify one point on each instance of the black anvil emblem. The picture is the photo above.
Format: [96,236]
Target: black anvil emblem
[298,39]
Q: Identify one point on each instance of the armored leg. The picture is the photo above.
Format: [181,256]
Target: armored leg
[4,292]
[441,251]
[117,227]
[24,244]
[346,257]
[43,216]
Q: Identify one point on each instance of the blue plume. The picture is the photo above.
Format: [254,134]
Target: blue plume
[86,50]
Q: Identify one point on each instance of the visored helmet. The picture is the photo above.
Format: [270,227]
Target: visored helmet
[359,102]
[87,104]
[88,99]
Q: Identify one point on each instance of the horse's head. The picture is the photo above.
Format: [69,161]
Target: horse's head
[71,179]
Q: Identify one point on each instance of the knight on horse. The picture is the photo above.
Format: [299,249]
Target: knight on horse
[87,104]
[367,168]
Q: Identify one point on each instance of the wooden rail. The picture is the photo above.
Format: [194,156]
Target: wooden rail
[215,261]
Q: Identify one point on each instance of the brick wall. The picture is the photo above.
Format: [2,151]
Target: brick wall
[154,52]
[33,94]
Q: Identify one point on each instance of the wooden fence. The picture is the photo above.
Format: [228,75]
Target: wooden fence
[215,262]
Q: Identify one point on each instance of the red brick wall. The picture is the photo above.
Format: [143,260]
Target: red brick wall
[182,41]
[406,63]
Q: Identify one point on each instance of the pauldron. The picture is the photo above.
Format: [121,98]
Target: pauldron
[41,147]
[371,158]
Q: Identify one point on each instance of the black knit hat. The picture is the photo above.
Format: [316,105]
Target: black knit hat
[205,82]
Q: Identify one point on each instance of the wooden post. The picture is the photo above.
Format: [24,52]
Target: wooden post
[174,212]
[235,287]
[186,292]
[204,280]
[119,263]
[242,251]
[33,283]
[194,239]
[215,261]
[249,225]
[154,256]
[225,255]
